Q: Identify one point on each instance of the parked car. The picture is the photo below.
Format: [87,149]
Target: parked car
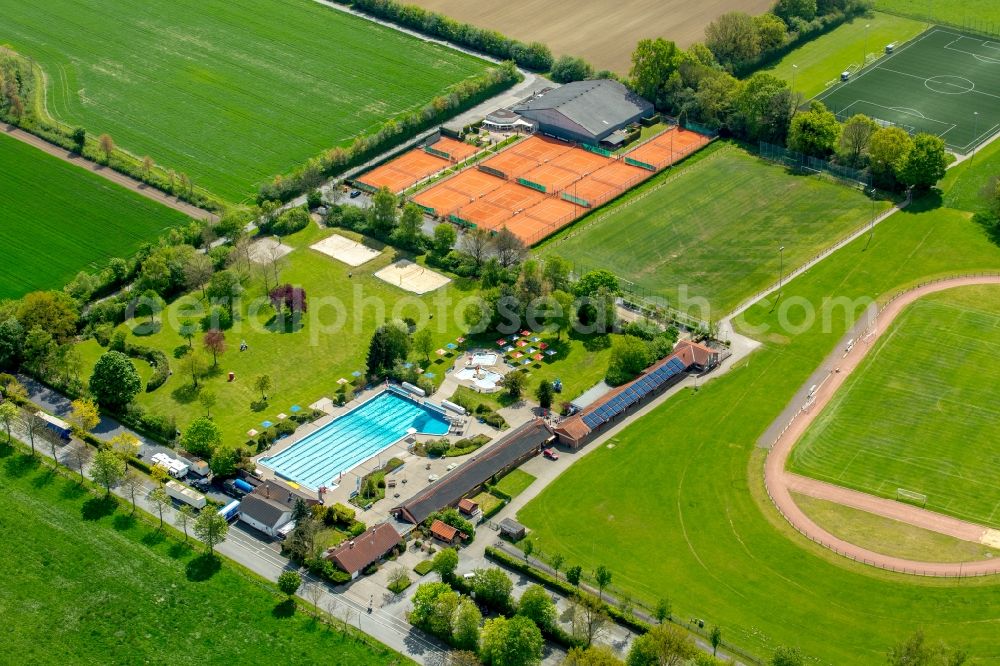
[355,194]
[551,454]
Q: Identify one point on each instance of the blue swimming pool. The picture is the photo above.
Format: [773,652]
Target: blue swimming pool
[320,457]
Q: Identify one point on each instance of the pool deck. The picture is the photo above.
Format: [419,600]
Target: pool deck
[412,477]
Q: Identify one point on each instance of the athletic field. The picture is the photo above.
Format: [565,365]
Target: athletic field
[682,492]
[921,412]
[714,231]
[57,219]
[943,82]
[231,93]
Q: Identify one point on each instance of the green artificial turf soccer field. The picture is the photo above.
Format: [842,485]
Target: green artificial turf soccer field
[943,82]
[682,490]
[715,231]
[229,92]
[57,219]
[920,413]
[977,14]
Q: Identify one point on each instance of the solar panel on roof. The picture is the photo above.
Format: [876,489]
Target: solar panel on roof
[591,421]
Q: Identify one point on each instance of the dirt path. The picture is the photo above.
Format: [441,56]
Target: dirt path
[780,483]
[110,174]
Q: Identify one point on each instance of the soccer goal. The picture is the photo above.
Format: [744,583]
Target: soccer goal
[911,496]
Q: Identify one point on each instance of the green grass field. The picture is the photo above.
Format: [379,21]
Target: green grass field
[86,585]
[944,83]
[515,482]
[821,60]
[976,14]
[304,364]
[715,231]
[966,186]
[682,491]
[230,93]
[915,415]
[57,219]
[884,535]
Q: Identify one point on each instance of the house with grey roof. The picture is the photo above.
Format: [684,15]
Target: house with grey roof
[588,112]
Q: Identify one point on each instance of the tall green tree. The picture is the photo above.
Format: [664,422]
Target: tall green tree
[764,108]
[289,583]
[536,605]
[445,562]
[662,645]
[12,336]
[654,69]
[855,139]
[513,642]
[382,217]
[115,381]
[513,383]
[888,150]
[787,656]
[8,415]
[603,577]
[493,587]
[567,69]
[444,239]
[925,164]
[734,39]
[465,625]
[390,343]
[160,500]
[408,232]
[52,311]
[545,394]
[107,469]
[211,528]
[629,357]
[423,343]
[201,437]
[814,132]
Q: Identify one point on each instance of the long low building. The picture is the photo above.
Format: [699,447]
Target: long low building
[578,429]
[519,445]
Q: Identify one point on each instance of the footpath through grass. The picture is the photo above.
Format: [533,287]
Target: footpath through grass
[87,584]
[917,414]
[713,234]
[57,219]
[682,490]
[230,93]
[821,60]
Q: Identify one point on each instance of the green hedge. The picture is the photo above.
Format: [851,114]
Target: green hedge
[424,568]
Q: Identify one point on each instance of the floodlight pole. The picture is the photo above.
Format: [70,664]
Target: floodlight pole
[864,54]
[794,68]
[975,135]
[781,267]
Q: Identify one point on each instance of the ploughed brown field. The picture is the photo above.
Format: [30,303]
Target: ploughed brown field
[604,32]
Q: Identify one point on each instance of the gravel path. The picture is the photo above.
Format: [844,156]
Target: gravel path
[779,482]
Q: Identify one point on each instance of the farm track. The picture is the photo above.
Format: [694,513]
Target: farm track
[110,174]
[780,482]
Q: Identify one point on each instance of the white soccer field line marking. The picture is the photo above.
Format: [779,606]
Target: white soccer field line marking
[951,126]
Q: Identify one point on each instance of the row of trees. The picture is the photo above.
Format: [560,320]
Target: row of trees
[894,157]
[535,56]
[741,42]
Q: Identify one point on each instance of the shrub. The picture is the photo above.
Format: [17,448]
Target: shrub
[425,567]
[289,222]
[495,420]
[327,570]
[284,428]
[314,199]
[370,569]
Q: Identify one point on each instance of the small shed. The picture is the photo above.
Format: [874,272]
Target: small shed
[444,532]
[468,507]
[512,529]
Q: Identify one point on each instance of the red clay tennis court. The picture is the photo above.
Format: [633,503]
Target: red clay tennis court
[621,175]
[455,150]
[543,219]
[552,178]
[483,214]
[540,149]
[514,198]
[593,192]
[509,164]
[668,147]
[580,162]
[447,196]
[404,171]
